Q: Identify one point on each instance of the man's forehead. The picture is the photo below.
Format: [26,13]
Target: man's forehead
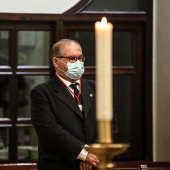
[71,48]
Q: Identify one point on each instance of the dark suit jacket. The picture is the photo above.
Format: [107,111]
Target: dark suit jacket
[61,127]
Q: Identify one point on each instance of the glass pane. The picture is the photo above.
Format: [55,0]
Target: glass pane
[122,44]
[122,53]
[25,84]
[4,46]
[116,5]
[123,109]
[4,96]
[33,48]
[27,144]
[4,133]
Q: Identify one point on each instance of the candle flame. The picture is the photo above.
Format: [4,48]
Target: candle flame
[104,21]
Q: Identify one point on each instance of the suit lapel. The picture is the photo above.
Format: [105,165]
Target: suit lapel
[88,96]
[64,95]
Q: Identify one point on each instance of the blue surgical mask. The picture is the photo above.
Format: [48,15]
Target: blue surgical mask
[75,70]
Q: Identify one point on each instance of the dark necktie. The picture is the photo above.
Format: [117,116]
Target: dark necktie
[76,92]
[77,98]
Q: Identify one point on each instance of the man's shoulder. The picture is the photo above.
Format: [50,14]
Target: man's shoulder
[45,84]
[91,83]
[88,81]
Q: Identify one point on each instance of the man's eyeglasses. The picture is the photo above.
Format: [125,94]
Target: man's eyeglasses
[73,59]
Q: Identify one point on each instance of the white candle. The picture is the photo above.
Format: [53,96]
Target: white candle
[103,40]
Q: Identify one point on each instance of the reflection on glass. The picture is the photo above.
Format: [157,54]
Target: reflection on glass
[4,46]
[4,143]
[116,5]
[4,98]
[122,46]
[33,48]
[27,144]
[123,109]
[25,84]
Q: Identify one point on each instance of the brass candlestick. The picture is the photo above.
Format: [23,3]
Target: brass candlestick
[105,149]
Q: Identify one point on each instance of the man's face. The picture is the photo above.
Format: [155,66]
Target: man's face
[69,50]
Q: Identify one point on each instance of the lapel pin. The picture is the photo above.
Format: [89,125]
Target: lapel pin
[91,95]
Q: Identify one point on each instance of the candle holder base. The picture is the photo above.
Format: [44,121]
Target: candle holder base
[106,165]
[106,152]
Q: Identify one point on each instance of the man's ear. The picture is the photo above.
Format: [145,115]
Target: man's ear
[55,62]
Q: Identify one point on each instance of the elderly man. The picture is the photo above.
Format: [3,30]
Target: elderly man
[63,112]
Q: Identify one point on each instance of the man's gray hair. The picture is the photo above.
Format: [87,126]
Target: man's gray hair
[57,48]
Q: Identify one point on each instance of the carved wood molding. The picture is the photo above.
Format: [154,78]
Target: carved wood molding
[78,7]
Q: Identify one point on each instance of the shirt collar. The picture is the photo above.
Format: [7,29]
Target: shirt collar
[66,82]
